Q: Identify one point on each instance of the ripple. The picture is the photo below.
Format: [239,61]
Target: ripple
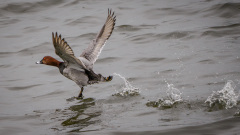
[5,54]
[55,93]
[174,35]
[207,61]
[226,10]
[234,73]
[5,66]
[88,36]
[13,36]
[34,29]
[226,26]
[85,19]
[149,37]
[107,59]
[26,7]
[155,13]
[7,21]
[17,88]
[35,49]
[220,33]
[127,28]
[168,71]
[143,38]
[72,3]
[149,59]
[224,30]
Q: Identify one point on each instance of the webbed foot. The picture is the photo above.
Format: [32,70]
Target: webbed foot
[108,79]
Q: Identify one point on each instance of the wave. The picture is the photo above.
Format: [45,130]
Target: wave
[222,30]
[220,33]
[134,28]
[213,128]
[17,88]
[149,59]
[150,37]
[127,28]
[4,22]
[88,36]
[86,19]
[36,49]
[107,59]
[224,10]
[207,61]
[27,7]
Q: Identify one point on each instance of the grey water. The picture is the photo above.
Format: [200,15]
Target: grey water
[191,45]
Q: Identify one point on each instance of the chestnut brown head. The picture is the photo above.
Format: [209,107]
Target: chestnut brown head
[48,60]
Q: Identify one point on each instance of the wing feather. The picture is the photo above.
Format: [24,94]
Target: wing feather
[95,48]
[64,51]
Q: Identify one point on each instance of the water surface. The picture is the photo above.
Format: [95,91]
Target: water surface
[191,45]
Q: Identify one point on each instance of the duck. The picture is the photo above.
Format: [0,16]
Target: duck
[80,69]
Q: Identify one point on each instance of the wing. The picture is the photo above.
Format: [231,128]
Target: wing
[64,51]
[95,48]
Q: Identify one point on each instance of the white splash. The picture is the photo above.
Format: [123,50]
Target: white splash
[128,89]
[173,97]
[174,94]
[225,97]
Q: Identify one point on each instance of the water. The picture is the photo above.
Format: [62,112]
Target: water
[173,55]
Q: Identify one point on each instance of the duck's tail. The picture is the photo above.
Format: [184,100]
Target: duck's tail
[95,78]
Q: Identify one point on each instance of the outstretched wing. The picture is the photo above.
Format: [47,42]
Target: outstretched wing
[95,48]
[64,51]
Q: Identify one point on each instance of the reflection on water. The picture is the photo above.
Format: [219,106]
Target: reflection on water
[81,118]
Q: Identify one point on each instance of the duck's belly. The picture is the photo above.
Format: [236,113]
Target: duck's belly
[77,76]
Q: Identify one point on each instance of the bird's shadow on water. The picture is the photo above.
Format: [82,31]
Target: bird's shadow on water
[81,118]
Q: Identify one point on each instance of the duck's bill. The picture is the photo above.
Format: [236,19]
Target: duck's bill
[39,62]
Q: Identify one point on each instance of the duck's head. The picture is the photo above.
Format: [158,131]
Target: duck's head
[48,60]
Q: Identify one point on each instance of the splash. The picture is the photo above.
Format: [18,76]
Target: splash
[225,98]
[174,94]
[237,114]
[127,89]
[173,97]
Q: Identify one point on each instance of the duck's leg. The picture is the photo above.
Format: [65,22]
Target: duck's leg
[80,95]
